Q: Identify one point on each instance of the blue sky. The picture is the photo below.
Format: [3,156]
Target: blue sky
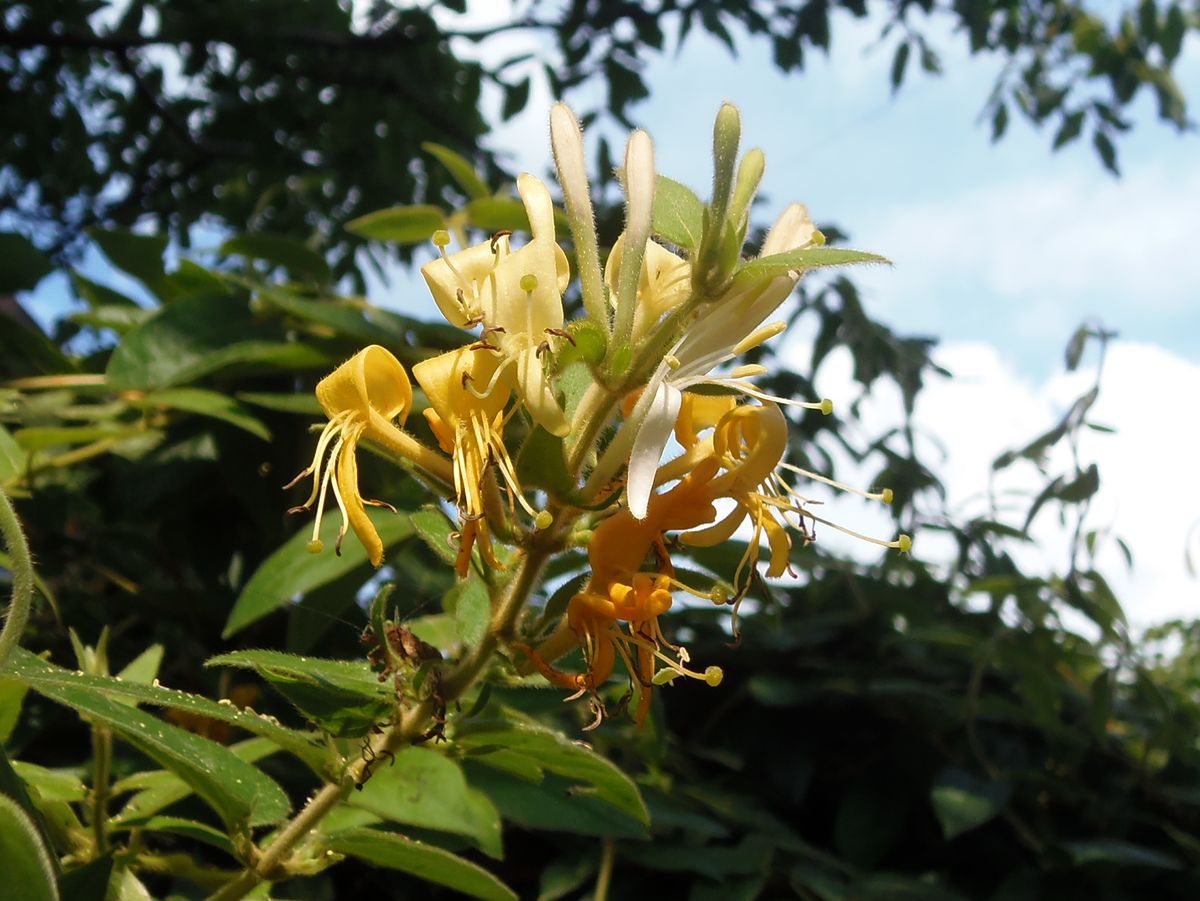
[1000,250]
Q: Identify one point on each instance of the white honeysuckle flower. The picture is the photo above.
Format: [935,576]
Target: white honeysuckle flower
[516,295]
[728,328]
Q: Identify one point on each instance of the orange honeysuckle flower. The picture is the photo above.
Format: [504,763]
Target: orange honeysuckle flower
[619,591]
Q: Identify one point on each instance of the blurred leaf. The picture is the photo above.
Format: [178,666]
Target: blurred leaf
[963,802]
[139,255]
[292,571]
[207,403]
[1114,851]
[23,858]
[200,335]
[401,224]
[306,403]
[424,861]
[494,214]
[296,257]
[52,785]
[12,693]
[678,213]
[436,531]
[460,170]
[121,319]
[13,458]
[899,64]
[22,265]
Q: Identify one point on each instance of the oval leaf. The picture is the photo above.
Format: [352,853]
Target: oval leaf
[421,860]
[802,260]
[292,570]
[401,224]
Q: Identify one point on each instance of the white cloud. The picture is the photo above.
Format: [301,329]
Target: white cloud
[1146,496]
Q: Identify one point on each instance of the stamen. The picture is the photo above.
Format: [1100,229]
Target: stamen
[884,496]
[328,477]
[903,543]
[758,336]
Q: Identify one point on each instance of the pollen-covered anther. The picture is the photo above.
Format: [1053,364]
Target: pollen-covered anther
[714,675]
[544,520]
[672,361]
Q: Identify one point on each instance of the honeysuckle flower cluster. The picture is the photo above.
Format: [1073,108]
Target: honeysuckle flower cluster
[585,411]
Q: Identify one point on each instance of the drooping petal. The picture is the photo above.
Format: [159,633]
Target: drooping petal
[537,394]
[350,500]
[652,437]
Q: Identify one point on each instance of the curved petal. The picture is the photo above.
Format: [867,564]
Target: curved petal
[463,271]
[535,390]
[652,437]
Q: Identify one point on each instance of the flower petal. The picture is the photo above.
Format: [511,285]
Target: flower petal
[652,437]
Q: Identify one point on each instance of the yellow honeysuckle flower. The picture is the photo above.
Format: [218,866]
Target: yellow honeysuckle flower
[516,295]
[618,591]
[368,396]
[468,389]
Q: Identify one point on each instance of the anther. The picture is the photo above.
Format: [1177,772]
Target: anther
[672,361]
[315,546]
[713,675]
[758,336]
[544,519]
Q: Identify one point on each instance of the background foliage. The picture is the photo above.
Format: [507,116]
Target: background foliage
[886,730]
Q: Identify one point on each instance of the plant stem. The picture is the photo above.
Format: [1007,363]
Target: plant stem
[590,417]
[413,723]
[102,751]
[604,877]
[22,578]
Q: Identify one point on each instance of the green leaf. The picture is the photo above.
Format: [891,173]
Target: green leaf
[424,788]
[495,214]
[899,64]
[343,697]
[22,265]
[421,860]
[555,804]
[678,214]
[159,789]
[540,464]
[192,829]
[435,530]
[24,860]
[12,693]
[88,882]
[556,753]
[241,794]
[1120,853]
[1108,153]
[46,678]
[963,802]
[96,295]
[293,571]
[139,255]
[296,257]
[400,224]
[13,457]
[516,96]
[121,319]
[144,667]
[471,605]
[792,260]
[306,404]
[207,403]
[460,169]
[1069,130]
[200,335]
[52,785]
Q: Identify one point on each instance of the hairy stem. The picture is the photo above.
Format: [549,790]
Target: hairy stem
[21,565]
[273,862]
